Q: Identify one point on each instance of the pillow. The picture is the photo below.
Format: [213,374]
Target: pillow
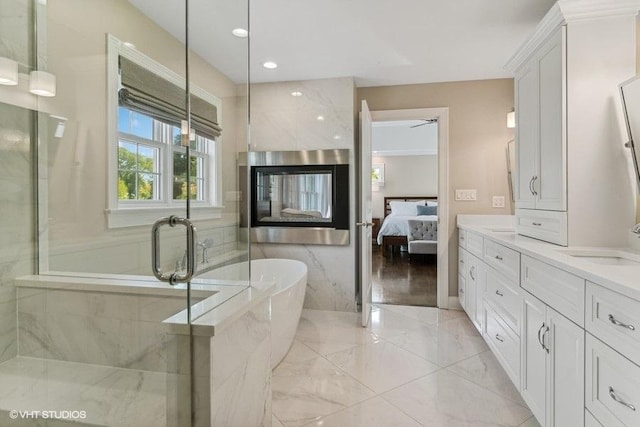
[432,203]
[405,208]
[427,210]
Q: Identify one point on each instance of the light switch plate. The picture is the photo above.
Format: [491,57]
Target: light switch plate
[498,202]
[466,195]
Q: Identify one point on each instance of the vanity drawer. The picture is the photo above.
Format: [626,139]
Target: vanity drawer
[505,297]
[563,291]
[614,319]
[462,238]
[504,343]
[550,226]
[612,392]
[474,244]
[503,259]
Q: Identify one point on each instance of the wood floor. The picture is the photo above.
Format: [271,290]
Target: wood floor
[396,281]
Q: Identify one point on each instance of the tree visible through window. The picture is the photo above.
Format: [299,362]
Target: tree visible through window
[152,163]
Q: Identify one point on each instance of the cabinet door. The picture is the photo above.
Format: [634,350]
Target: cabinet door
[470,287]
[534,356]
[481,285]
[526,87]
[550,181]
[565,393]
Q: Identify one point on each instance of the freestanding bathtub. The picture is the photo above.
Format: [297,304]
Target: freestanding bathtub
[290,277]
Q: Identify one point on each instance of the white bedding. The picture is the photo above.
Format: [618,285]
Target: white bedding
[398,225]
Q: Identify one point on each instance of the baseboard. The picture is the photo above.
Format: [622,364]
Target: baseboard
[454,303]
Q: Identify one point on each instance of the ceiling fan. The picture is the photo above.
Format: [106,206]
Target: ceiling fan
[426,122]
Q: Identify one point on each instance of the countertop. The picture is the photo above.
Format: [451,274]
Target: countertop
[624,279]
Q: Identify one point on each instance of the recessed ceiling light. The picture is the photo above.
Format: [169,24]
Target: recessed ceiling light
[240,32]
[320,118]
[296,93]
[337,137]
[270,65]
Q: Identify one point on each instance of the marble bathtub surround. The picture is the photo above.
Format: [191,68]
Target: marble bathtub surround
[340,374]
[281,122]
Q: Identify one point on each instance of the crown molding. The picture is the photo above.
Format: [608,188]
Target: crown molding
[568,11]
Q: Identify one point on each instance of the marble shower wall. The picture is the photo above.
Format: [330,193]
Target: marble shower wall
[321,118]
[17,225]
[122,330]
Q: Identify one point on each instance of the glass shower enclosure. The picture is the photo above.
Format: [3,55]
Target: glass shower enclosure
[120,127]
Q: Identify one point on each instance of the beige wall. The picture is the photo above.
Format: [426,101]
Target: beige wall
[405,176]
[77,163]
[477,141]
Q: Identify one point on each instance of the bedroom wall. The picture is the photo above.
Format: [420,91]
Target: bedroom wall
[405,175]
[477,141]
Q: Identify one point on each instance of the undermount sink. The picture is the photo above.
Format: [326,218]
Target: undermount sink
[604,256]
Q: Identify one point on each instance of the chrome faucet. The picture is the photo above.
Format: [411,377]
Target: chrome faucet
[181,264]
[636,229]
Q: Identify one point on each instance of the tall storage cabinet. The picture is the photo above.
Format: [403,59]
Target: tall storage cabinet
[569,145]
[540,154]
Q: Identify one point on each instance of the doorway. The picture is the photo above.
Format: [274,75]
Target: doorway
[397,279]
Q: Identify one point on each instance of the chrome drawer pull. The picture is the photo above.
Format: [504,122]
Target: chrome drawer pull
[619,323]
[539,337]
[498,257]
[613,395]
[471,272]
[499,338]
[499,293]
[537,224]
[546,331]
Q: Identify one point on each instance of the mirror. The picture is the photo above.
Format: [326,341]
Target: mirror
[630,91]
[511,163]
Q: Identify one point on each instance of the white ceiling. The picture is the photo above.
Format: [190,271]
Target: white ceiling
[399,138]
[379,42]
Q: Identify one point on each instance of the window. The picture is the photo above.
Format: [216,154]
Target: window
[144,146]
[148,162]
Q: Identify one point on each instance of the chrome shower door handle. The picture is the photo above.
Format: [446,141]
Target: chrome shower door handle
[192,242]
[533,185]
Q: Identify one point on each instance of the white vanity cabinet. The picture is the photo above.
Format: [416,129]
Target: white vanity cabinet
[471,280]
[475,291]
[566,78]
[552,359]
[462,276]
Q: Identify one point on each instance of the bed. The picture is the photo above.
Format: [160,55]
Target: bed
[395,226]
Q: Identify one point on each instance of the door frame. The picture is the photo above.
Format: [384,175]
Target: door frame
[442,115]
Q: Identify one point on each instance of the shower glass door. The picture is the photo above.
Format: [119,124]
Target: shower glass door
[121,113]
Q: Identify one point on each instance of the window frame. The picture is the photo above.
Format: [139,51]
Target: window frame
[128,213]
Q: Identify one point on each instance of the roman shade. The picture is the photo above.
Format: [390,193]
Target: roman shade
[146,92]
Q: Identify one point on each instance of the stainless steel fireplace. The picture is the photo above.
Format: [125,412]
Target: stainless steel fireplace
[300,197]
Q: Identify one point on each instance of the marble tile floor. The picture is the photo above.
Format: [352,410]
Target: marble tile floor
[413,366]
[109,396]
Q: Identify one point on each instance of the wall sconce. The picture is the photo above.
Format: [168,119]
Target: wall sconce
[8,72]
[511,119]
[42,83]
